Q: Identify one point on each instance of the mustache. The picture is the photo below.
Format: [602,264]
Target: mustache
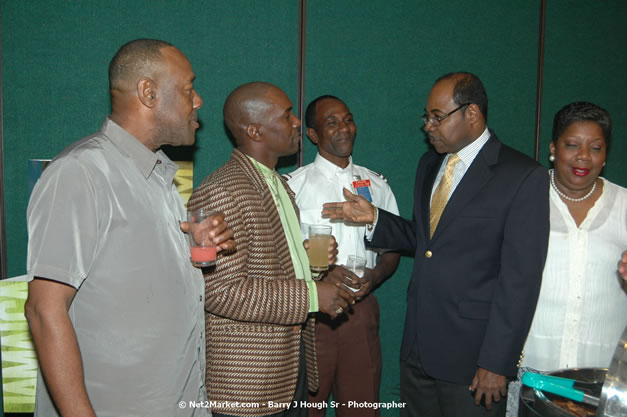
[345,136]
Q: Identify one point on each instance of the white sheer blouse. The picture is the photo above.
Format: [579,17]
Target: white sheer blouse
[582,309]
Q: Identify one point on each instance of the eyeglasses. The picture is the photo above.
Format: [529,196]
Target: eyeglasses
[436,120]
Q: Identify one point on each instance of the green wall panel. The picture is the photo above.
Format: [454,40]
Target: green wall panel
[381,57]
[585,59]
[55,56]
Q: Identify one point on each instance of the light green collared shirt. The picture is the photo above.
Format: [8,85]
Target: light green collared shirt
[291,227]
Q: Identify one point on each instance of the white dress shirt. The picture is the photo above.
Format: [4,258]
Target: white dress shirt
[466,156]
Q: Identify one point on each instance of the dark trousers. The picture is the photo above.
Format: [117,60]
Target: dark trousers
[425,396]
[349,360]
[300,393]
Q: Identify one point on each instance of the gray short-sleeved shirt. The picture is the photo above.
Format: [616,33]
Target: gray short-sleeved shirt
[104,218]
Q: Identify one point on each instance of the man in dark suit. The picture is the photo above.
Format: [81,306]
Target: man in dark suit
[479,235]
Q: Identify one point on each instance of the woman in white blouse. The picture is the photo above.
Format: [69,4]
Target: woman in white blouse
[582,309]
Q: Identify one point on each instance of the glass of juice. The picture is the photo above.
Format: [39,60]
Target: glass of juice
[319,241]
[203,251]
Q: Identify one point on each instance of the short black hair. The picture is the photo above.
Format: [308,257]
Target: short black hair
[312,109]
[582,111]
[135,59]
[468,90]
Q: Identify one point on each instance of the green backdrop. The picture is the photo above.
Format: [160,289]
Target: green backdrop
[381,57]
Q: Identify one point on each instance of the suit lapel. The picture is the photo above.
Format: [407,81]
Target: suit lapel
[272,213]
[477,175]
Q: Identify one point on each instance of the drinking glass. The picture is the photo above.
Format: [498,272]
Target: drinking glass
[203,253]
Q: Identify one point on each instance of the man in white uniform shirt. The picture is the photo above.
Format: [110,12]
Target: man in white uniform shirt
[348,348]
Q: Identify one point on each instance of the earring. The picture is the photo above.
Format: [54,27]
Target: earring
[552,158]
[603,163]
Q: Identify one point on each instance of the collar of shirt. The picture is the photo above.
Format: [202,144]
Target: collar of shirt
[466,156]
[144,159]
[470,151]
[329,169]
[270,175]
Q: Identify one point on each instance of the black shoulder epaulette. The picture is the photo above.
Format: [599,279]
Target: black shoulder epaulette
[377,174]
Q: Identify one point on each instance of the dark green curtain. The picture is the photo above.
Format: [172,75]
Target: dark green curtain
[381,57]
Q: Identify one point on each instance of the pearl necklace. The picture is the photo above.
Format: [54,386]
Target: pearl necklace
[564,196]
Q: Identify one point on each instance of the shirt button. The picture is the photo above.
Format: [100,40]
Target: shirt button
[428,254]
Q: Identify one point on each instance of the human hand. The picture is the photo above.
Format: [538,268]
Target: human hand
[332,249]
[356,209]
[333,299]
[493,386]
[622,266]
[213,228]
[368,282]
[339,274]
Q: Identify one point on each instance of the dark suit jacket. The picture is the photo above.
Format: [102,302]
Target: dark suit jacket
[475,285]
[254,303]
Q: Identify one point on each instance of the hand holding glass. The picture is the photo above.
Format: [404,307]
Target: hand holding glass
[203,250]
[357,266]
[319,241]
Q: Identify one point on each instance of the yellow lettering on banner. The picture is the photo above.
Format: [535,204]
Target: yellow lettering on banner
[17,340]
[184,180]
[23,390]
[19,361]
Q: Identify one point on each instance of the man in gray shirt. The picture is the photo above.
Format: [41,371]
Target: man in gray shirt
[115,307]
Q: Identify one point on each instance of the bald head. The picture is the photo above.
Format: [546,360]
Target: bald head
[134,60]
[246,105]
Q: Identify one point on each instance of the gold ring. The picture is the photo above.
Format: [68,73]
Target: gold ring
[339,310]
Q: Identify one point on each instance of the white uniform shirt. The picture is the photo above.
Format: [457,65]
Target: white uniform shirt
[321,182]
[582,309]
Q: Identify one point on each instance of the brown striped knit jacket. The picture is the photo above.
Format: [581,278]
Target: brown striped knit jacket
[254,303]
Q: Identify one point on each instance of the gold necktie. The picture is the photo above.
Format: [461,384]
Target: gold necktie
[440,197]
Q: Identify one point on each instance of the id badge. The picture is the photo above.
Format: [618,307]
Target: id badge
[362,188]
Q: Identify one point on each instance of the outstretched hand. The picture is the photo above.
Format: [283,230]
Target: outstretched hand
[355,209]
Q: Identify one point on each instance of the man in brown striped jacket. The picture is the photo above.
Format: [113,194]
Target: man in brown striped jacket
[259,298]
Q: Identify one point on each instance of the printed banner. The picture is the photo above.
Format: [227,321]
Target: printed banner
[19,361]
[184,180]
